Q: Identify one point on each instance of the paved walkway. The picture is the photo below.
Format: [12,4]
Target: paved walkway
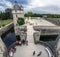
[30,32]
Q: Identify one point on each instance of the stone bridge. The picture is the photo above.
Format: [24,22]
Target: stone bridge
[36,25]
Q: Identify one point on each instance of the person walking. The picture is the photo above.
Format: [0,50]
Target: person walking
[27,42]
[34,53]
[10,54]
[39,53]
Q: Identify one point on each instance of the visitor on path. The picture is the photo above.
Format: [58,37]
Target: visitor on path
[34,53]
[26,42]
[11,54]
[14,49]
[23,41]
[39,53]
[20,43]
[17,42]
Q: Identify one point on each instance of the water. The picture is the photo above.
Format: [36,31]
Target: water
[9,39]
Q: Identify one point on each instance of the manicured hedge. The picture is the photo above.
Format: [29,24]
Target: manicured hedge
[20,21]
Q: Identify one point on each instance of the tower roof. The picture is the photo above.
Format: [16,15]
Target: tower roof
[16,6]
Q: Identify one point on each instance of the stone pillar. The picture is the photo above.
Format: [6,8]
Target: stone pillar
[37,36]
[23,36]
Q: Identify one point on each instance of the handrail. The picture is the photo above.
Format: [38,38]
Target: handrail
[49,53]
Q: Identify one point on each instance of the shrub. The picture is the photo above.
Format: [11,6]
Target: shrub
[20,21]
[0,26]
[3,24]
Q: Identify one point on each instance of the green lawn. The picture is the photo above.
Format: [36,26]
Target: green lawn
[5,22]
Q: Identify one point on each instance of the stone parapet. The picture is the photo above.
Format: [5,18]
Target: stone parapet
[47,30]
[20,28]
[6,28]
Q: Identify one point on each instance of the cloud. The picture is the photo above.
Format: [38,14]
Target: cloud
[43,6]
[1,8]
[36,6]
[5,4]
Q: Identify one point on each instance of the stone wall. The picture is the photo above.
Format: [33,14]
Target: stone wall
[20,28]
[47,30]
[36,36]
[6,28]
[3,48]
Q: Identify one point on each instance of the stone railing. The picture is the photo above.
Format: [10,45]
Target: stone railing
[20,28]
[23,35]
[6,28]
[32,17]
[47,30]
[46,27]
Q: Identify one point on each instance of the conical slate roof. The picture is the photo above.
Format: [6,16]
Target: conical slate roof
[17,7]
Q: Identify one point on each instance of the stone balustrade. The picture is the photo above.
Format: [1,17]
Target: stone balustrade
[46,27]
[20,28]
[23,35]
[47,30]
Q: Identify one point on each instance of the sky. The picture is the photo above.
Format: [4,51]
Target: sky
[35,6]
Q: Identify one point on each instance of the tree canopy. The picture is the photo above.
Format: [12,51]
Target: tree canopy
[6,15]
[42,15]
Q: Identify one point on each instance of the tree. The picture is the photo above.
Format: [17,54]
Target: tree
[29,14]
[8,13]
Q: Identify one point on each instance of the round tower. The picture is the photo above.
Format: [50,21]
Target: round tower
[17,12]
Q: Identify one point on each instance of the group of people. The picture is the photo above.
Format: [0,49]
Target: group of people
[13,49]
[37,54]
[21,42]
